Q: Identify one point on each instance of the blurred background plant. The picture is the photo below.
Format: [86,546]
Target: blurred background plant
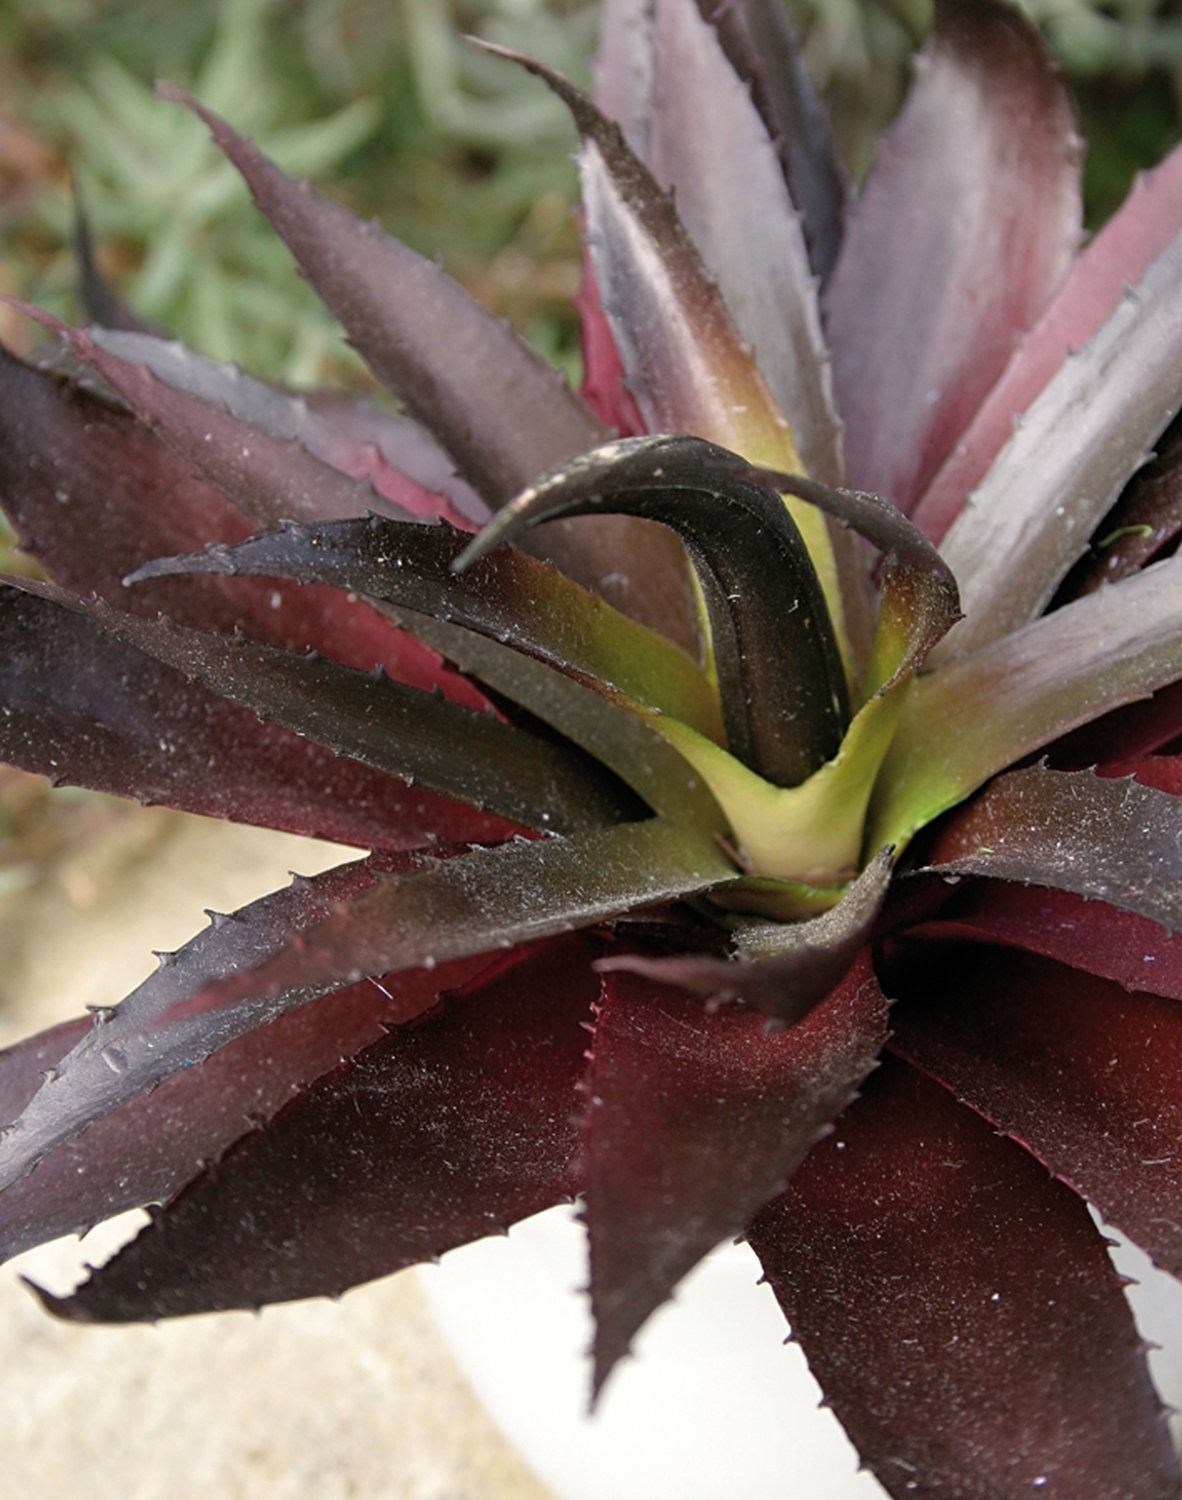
[385,103]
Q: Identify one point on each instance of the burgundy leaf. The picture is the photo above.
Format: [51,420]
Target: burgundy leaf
[266,467]
[1086,934]
[696,1118]
[760,591]
[960,1311]
[438,1134]
[72,466]
[497,407]
[360,920]
[501,412]
[1081,1072]
[966,225]
[158,1141]
[1110,839]
[683,358]
[1124,735]
[397,730]
[744,224]
[1092,291]
[783,969]
[367,441]
[86,709]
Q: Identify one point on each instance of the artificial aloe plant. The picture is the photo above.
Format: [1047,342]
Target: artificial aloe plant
[772,818]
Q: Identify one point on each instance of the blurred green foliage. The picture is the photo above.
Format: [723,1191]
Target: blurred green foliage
[385,102]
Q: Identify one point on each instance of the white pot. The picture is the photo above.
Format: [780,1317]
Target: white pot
[713,1403]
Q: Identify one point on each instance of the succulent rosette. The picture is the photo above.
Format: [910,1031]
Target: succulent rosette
[772,811]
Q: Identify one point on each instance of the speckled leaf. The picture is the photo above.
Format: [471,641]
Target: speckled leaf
[760,591]
[158,1141]
[510,596]
[759,41]
[978,714]
[1121,253]
[744,223]
[501,412]
[1073,1067]
[956,1307]
[967,223]
[400,731]
[433,1136]
[1109,839]
[88,710]
[783,969]
[267,477]
[73,467]
[1074,451]
[1084,933]
[364,919]
[393,456]
[920,601]
[684,361]
[696,1117]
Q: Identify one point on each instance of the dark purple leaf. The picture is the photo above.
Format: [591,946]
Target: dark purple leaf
[920,601]
[781,968]
[73,467]
[684,361]
[783,690]
[960,1311]
[1072,1066]
[438,1134]
[158,1141]
[743,223]
[966,225]
[360,920]
[501,412]
[394,729]
[1107,839]
[497,407]
[510,596]
[1119,255]
[612,730]
[88,710]
[696,1117]
[248,440]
